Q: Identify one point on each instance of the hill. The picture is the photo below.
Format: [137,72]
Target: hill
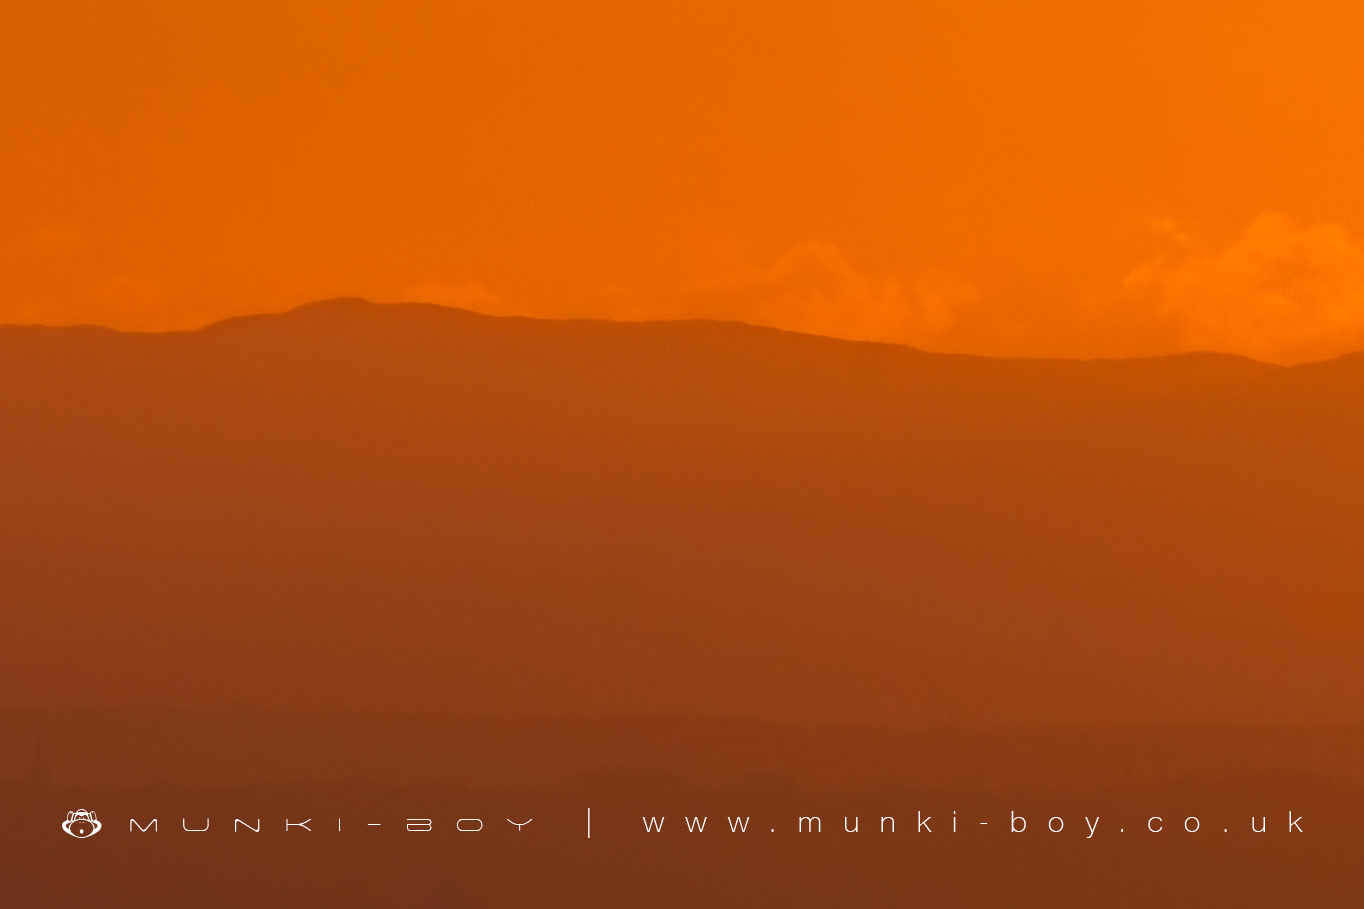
[352,506]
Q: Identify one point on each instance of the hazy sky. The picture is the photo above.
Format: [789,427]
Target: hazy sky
[1073,178]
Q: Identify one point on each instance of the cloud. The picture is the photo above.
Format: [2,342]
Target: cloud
[812,288]
[1283,292]
[471,295]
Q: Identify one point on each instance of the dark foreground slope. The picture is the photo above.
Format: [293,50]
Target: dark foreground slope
[378,563]
[355,506]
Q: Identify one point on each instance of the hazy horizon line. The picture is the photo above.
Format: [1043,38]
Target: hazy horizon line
[465,310]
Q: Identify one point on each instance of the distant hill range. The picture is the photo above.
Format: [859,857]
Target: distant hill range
[353,506]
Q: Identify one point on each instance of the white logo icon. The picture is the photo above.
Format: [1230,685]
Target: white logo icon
[81,823]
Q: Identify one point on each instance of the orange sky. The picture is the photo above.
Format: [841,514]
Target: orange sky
[1069,178]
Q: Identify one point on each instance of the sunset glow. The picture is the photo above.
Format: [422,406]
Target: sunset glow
[1059,179]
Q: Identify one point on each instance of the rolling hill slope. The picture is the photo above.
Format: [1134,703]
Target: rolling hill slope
[360,506]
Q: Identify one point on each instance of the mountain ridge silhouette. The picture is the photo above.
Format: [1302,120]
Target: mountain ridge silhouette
[360,506]
[360,303]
